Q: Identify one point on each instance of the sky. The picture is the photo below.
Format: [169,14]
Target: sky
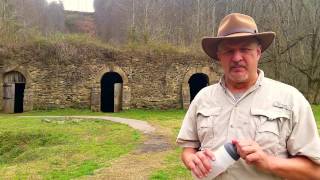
[77,5]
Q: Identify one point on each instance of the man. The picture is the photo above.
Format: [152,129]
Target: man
[270,123]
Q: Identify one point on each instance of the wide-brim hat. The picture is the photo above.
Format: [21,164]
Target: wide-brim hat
[234,26]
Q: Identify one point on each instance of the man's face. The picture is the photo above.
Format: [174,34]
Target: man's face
[239,60]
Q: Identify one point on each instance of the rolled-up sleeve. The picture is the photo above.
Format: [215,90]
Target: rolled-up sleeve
[304,139]
[188,136]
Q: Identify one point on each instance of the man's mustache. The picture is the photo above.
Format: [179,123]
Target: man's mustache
[237,65]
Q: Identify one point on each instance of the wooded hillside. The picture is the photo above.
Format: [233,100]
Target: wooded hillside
[294,57]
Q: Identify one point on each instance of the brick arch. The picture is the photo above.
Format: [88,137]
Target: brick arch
[213,78]
[28,91]
[20,79]
[21,70]
[112,68]
[96,88]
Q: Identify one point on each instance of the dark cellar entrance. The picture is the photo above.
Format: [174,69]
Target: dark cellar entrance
[110,92]
[18,98]
[196,83]
[13,92]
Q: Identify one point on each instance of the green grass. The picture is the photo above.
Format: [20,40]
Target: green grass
[174,168]
[170,120]
[58,112]
[60,149]
[316,112]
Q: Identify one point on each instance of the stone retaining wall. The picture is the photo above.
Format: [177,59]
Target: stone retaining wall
[68,75]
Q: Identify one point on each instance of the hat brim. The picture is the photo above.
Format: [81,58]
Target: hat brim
[210,44]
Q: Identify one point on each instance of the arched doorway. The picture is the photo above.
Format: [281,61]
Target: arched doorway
[196,83]
[13,96]
[111,92]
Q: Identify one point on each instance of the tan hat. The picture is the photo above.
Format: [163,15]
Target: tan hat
[236,25]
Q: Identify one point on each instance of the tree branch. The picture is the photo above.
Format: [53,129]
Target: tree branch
[295,43]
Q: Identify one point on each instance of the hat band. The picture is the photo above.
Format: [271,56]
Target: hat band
[238,30]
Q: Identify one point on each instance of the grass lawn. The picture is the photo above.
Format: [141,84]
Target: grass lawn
[169,121]
[31,148]
[66,152]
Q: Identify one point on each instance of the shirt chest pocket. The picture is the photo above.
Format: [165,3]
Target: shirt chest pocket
[273,128]
[205,124]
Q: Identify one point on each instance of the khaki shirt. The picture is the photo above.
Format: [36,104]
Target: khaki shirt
[275,115]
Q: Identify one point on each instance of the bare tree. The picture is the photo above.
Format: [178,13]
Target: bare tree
[297,44]
[112,18]
[54,18]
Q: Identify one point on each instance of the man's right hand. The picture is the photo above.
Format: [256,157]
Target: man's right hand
[199,162]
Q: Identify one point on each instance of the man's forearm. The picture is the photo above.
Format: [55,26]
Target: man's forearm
[298,168]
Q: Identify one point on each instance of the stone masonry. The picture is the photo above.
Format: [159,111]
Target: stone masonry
[65,75]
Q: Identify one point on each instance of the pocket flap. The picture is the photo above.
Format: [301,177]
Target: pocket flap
[209,111]
[271,114]
[269,126]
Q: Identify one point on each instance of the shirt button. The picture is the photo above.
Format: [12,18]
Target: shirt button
[231,125]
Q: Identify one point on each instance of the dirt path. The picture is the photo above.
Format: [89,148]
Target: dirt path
[136,165]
